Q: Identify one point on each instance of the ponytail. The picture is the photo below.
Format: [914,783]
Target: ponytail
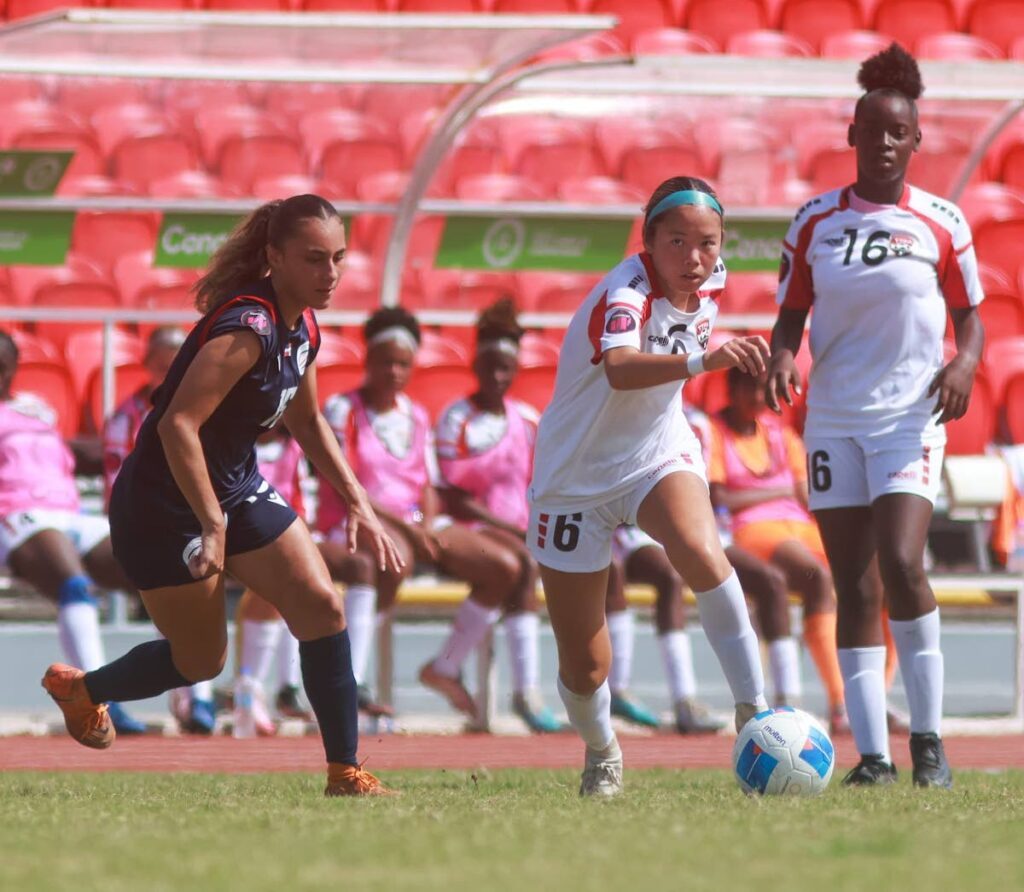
[242,259]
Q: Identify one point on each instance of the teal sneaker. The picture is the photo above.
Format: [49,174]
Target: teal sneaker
[123,722]
[625,707]
[535,714]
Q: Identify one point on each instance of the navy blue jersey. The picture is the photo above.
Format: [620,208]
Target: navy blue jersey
[254,405]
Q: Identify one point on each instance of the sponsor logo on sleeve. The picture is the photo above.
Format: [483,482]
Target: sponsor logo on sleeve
[620,322]
[257,320]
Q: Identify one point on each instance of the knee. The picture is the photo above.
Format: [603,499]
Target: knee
[770,584]
[585,675]
[902,571]
[201,666]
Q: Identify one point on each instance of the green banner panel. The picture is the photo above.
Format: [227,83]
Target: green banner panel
[35,238]
[187,240]
[31,174]
[753,246]
[532,243]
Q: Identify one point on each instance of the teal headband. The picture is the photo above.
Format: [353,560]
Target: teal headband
[686,196]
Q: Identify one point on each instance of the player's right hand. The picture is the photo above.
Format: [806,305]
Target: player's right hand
[749,354]
[782,375]
[363,520]
[209,559]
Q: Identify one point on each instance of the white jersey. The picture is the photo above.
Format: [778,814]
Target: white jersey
[595,443]
[880,279]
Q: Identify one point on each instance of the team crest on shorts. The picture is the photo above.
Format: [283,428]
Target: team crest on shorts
[902,243]
[620,322]
[703,332]
[257,320]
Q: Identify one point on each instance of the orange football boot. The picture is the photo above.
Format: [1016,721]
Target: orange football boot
[86,721]
[353,780]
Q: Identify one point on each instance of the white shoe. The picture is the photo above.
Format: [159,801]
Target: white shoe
[602,772]
[744,713]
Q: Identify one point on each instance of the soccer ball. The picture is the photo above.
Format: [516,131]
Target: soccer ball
[783,750]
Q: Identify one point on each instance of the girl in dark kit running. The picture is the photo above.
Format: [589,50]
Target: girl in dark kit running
[190,504]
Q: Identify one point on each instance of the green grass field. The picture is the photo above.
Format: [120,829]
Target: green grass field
[507,830]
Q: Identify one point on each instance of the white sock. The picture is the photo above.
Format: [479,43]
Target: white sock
[471,624]
[78,627]
[202,690]
[921,665]
[677,656]
[590,716]
[289,669]
[863,671]
[259,644]
[622,631]
[723,613]
[361,616]
[784,663]
[522,633]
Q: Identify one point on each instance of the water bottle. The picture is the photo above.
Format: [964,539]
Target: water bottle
[245,718]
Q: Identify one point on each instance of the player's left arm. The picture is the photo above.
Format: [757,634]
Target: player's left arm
[314,434]
[961,288]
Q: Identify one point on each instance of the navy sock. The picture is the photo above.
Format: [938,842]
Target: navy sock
[331,690]
[145,671]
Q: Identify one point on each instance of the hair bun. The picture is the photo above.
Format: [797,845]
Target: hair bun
[892,69]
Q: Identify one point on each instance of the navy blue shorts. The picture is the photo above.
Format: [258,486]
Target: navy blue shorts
[153,545]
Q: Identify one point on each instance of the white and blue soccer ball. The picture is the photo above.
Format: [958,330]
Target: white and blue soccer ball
[783,750]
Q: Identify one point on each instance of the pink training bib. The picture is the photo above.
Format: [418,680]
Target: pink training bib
[36,466]
[279,464]
[395,483]
[739,476]
[498,477]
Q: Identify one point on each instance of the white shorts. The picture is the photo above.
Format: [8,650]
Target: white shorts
[849,472]
[580,541]
[85,531]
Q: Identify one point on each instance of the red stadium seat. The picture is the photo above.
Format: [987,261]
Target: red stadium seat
[767,44]
[956,47]
[322,126]
[295,101]
[982,202]
[83,352]
[344,163]
[51,382]
[346,6]
[15,88]
[814,20]
[24,281]
[335,379]
[534,386]
[1003,360]
[392,104]
[599,190]
[104,236]
[853,44]
[974,432]
[95,185]
[283,186]
[81,96]
[998,242]
[435,387]
[720,21]
[1013,406]
[749,293]
[187,184]
[582,49]
[139,160]
[554,292]
[33,348]
[993,278]
[1011,164]
[216,123]
[128,378]
[530,7]
[498,187]
[70,137]
[1016,50]
[1002,315]
[832,168]
[437,6]
[479,153]
[547,163]
[245,159]
[907,21]
[936,172]
[114,123]
[437,350]
[445,289]
[999,21]
[612,139]
[747,178]
[672,42]
[74,295]
[19,9]
[646,165]
[537,352]
[635,16]
[336,349]
[136,278]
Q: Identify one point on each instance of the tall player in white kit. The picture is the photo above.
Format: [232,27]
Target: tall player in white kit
[881,262]
[614,447]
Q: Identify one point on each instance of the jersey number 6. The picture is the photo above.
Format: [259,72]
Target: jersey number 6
[821,474]
[567,531]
